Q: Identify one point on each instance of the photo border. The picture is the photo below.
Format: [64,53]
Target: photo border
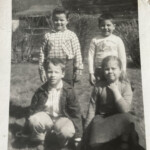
[5,64]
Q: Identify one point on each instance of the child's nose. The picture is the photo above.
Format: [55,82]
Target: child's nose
[105,26]
[59,21]
[110,70]
[53,74]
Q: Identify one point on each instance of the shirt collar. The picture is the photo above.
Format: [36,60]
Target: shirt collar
[54,31]
[58,87]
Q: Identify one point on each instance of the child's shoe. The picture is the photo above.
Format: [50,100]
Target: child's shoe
[20,134]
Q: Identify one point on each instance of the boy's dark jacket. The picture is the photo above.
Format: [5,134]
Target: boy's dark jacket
[69,105]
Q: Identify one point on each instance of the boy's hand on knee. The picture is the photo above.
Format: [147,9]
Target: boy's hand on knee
[92,79]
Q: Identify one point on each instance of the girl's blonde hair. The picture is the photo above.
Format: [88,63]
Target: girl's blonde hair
[123,76]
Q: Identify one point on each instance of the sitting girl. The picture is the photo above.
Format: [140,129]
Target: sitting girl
[109,106]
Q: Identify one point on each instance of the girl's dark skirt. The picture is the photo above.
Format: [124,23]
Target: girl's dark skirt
[106,129]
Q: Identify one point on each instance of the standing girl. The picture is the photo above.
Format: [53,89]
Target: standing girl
[109,105]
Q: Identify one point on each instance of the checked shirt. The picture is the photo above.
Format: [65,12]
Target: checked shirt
[64,45]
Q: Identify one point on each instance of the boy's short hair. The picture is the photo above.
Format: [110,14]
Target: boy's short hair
[55,62]
[60,10]
[105,16]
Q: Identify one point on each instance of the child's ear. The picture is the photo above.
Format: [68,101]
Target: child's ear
[114,26]
[63,74]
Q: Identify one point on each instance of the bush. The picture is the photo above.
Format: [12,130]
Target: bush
[128,31]
[85,26]
[20,43]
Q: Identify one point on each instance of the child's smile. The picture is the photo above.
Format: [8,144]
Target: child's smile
[112,71]
[54,74]
[107,27]
[60,22]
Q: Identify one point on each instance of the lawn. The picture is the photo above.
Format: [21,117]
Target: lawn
[25,80]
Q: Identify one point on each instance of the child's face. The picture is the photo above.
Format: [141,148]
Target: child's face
[107,27]
[60,22]
[112,71]
[54,74]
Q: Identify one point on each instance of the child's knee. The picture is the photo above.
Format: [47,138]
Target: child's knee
[33,121]
[68,132]
[65,127]
[40,120]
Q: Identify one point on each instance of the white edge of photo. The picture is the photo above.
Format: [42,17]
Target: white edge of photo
[5,65]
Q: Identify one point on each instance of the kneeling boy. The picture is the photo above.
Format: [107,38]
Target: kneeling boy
[54,107]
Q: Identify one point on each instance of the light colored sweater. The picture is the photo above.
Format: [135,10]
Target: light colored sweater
[101,47]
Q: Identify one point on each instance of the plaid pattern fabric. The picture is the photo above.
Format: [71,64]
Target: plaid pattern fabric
[64,45]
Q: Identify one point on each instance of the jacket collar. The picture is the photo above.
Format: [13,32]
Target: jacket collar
[44,87]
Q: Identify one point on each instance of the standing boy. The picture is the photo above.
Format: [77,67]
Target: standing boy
[106,44]
[64,44]
[54,107]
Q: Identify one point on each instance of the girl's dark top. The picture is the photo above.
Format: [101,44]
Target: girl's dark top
[102,100]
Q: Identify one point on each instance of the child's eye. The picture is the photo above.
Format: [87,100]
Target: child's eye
[49,72]
[114,68]
[102,26]
[56,72]
[106,69]
[108,25]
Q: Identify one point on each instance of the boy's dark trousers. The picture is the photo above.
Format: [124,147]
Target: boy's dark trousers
[69,72]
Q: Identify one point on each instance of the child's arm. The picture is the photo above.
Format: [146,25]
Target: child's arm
[123,101]
[33,103]
[41,59]
[122,53]
[77,52]
[74,113]
[91,55]
[91,108]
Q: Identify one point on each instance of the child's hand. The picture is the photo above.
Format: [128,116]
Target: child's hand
[113,86]
[43,77]
[78,72]
[77,145]
[77,75]
[76,78]
[92,79]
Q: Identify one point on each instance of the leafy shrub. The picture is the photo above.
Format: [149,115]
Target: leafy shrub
[18,42]
[128,31]
[85,26]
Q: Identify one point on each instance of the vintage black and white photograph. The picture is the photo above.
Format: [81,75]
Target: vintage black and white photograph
[75,81]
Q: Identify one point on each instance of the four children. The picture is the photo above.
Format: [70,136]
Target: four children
[54,106]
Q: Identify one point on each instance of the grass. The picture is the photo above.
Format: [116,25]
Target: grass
[25,80]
